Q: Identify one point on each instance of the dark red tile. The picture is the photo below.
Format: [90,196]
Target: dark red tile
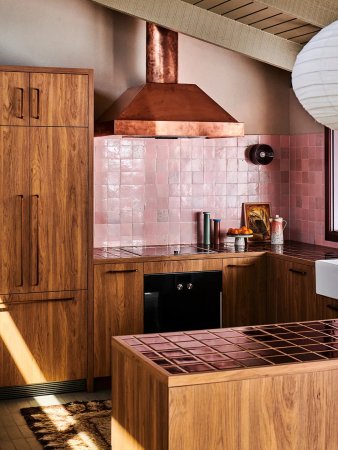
[317,347]
[141,348]
[255,362]
[213,357]
[214,342]
[227,348]
[132,341]
[173,369]
[239,340]
[281,359]
[330,354]
[161,361]
[229,364]
[181,338]
[267,352]
[200,335]
[201,350]
[151,355]
[253,346]
[228,334]
[166,346]
[239,355]
[301,341]
[191,368]
[192,344]
[308,357]
[153,340]
[173,353]
[184,359]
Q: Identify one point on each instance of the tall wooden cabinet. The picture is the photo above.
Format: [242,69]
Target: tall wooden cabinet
[46,130]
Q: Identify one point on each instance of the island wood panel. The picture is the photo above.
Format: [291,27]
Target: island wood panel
[277,408]
[185,265]
[14,203]
[291,291]
[58,99]
[118,308]
[58,208]
[43,339]
[276,413]
[244,291]
[14,98]
[139,407]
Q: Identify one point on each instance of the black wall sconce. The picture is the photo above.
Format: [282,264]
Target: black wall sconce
[260,154]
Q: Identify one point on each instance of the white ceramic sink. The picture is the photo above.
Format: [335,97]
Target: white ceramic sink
[327,277]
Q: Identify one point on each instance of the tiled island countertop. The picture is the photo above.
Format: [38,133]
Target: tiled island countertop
[237,348]
[258,387]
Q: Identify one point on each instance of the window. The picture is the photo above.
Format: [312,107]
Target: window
[331,185]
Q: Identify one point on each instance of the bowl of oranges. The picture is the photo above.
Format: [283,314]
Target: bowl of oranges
[240,232]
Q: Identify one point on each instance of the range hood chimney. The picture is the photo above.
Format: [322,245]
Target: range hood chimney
[163,107]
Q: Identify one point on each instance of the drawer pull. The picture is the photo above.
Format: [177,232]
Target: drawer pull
[237,266]
[334,308]
[298,272]
[122,271]
[19,240]
[35,99]
[19,114]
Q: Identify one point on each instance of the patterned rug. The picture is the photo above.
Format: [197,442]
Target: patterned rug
[73,426]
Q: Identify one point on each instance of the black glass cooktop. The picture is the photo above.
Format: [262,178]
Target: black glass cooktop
[167,250]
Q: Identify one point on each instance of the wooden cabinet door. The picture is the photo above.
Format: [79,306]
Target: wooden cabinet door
[58,99]
[43,338]
[244,291]
[58,208]
[14,98]
[293,290]
[326,307]
[118,308]
[14,192]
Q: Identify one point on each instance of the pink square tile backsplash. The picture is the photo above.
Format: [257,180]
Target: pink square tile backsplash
[151,191]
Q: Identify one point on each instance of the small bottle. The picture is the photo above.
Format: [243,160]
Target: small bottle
[217,224]
[206,228]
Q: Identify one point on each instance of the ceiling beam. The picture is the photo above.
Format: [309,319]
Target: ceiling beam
[317,12]
[185,18]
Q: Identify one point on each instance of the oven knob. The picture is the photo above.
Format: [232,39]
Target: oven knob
[190,286]
[179,287]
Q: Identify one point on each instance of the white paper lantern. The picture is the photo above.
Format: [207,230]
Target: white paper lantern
[315,76]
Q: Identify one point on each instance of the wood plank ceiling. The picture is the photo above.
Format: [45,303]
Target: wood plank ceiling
[265,18]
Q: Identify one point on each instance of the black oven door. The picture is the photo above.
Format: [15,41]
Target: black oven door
[182,301]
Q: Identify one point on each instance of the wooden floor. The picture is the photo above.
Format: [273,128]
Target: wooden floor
[14,433]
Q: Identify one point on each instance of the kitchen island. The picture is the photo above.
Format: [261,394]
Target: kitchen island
[258,387]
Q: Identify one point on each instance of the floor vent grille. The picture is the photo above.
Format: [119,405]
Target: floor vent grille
[34,390]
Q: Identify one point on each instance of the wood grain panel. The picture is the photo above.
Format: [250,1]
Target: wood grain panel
[44,339]
[291,291]
[139,407]
[14,98]
[59,203]
[14,202]
[118,308]
[327,308]
[275,413]
[195,265]
[58,99]
[244,291]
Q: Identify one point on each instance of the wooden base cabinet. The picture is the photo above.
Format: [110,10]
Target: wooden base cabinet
[244,291]
[43,338]
[326,307]
[118,308]
[291,291]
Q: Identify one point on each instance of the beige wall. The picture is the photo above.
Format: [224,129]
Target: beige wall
[253,92]
[80,33]
[300,121]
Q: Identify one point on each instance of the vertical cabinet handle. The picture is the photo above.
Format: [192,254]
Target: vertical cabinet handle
[20,94]
[35,99]
[19,240]
[35,240]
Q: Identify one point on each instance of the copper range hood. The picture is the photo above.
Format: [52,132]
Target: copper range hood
[163,107]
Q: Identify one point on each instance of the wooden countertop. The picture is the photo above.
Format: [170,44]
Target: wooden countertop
[188,357]
[294,251]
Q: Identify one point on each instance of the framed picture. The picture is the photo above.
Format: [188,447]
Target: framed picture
[256,217]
